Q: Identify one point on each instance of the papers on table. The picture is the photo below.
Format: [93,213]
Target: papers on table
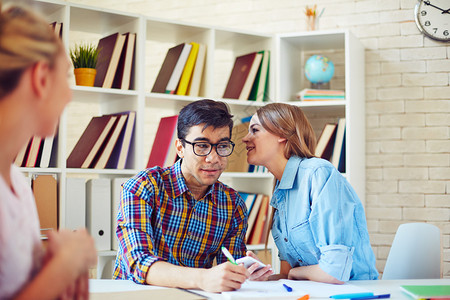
[275,290]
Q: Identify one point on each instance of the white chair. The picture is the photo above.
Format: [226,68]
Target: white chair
[415,253]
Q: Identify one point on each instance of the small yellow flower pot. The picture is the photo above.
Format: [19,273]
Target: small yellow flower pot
[85,76]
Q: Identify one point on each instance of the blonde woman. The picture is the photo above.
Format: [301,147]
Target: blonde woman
[319,224]
[33,93]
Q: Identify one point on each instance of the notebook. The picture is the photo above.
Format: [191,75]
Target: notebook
[427,291]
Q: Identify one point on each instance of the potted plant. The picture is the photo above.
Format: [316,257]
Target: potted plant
[84,58]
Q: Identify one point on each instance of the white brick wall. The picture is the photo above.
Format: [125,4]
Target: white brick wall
[407,98]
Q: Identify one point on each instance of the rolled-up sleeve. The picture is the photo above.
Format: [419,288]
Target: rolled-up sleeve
[134,231]
[331,222]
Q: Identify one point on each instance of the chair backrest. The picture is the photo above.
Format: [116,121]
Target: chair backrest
[415,253]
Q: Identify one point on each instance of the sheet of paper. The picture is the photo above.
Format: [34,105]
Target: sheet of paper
[264,290]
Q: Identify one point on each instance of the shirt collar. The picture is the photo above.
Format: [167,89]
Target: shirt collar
[290,171]
[179,184]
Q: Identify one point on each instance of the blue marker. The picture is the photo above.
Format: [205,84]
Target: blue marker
[288,288]
[383,296]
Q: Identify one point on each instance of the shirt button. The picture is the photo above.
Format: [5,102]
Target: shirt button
[300,260]
[285,239]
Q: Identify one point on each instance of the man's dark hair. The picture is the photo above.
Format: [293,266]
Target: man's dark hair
[206,111]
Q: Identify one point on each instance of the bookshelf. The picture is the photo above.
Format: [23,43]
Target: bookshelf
[154,36]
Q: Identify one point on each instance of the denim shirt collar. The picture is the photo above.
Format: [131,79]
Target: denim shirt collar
[287,180]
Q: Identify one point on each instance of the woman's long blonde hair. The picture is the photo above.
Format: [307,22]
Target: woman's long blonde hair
[25,39]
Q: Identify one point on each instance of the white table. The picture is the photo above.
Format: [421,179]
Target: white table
[375,286]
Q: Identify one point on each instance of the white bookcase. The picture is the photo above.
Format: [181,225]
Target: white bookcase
[154,37]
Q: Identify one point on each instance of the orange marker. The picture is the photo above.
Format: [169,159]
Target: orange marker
[306,297]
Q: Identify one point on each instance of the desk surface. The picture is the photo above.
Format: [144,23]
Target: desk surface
[376,286]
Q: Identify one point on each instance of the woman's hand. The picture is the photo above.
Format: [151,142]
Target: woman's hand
[261,274]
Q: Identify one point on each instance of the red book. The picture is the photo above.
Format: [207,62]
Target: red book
[90,141]
[239,74]
[161,145]
[109,50]
[122,80]
[167,68]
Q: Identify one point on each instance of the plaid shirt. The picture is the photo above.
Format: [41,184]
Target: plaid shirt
[159,219]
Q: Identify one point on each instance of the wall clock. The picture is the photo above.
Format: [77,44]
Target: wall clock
[433,19]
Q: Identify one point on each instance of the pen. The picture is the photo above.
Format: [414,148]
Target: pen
[228,255]
[349,296]
[383,296]
[288,288]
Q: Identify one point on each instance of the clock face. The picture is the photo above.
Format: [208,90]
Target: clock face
[433,18]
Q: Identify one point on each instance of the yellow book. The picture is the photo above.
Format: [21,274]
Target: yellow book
[187,71]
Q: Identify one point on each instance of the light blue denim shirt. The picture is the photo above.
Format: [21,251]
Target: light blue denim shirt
[319,219]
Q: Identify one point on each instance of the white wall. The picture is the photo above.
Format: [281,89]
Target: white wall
[407,98]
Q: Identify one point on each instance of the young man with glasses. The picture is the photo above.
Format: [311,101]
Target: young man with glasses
[173,221]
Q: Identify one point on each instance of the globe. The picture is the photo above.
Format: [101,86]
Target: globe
[319,69]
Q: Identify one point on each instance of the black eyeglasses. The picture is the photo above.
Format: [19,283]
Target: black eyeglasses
[223,149]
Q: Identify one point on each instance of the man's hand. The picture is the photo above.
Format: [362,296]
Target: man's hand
[261,274]
[223,277]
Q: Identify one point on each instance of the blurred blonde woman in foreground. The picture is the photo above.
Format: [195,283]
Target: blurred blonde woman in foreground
[33,93]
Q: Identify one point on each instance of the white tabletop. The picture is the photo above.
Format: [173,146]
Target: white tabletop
[376,286]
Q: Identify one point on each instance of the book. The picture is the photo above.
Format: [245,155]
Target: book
[75,210]
[249,202]
[116,190]
[161,144]
[188,70]
[260,85]
[111,143]
[197,74]
[109,50]
[119,155]
[320,95]
[47,151]
[237,161]
[245,93]
[122,80]
[253,215]
[427,291]
[90,141]
[339,143]
[166,69]
[178,69]
[256,235]
[33,154]
[326,140]
[57,28]
[238,76]
[98,212]
[22,155]
[45,190]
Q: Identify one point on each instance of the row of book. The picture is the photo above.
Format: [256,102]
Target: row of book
[38,152]
[331,144]
[258,209]
[320,95]
[105,143]
[115,64]
[182,70]
[249,77]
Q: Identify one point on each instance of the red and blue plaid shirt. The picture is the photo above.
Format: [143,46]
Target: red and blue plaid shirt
[159,219]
